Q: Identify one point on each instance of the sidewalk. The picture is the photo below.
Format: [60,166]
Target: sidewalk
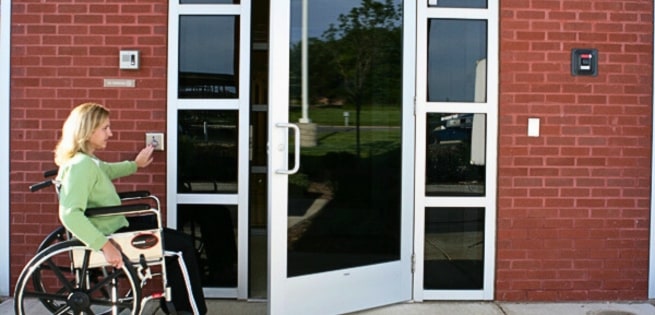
[233,307]
[506,308]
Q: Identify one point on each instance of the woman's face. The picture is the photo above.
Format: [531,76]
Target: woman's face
[100,136]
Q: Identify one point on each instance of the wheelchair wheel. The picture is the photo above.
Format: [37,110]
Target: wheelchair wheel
[57,235]
[62,287]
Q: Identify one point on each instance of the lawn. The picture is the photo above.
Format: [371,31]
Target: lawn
[378,115]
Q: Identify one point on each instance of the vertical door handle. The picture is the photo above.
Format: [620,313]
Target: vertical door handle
[296,138]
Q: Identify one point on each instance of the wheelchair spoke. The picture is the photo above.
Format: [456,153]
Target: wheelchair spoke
[51,267]
[102,284]
[60,275]
[121,303]
[64,309]
[85,268]
[46,296]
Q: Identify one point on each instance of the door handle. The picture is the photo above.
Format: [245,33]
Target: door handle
[296,164]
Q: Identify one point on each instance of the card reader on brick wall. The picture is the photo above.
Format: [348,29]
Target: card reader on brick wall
[584,62]
[129,60]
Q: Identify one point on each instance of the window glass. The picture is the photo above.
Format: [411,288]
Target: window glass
[207,151]
[458,3]
[208,57]
[455,161]
[214,232]
[344,202]
[454,248]
[457,54]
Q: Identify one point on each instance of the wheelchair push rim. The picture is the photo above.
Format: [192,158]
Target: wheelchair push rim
[60,286]
[56,236]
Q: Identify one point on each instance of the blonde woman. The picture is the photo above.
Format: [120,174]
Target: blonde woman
[86,181]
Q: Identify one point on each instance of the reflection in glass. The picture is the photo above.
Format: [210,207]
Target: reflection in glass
[457,54]
[455,154]
[214,231]
[344,203]
[460,3]
[207,151]
[208,55]
[454,248]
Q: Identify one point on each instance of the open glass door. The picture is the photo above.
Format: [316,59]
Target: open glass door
[340,156]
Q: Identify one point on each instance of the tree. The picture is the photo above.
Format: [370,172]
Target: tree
[366,37]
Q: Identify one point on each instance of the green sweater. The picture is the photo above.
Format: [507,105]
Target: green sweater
[86,182]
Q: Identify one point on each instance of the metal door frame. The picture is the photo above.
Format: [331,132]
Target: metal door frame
[5,41]
[241,104]
[651,264]
[490,109]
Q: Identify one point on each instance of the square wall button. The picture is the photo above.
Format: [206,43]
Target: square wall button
[155,139]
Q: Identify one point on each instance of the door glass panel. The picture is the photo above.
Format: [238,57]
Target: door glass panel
[455,161]
[207,151]
[344,203]
[454,248]
[457,54]
[458,3]
[208,55]
[214,231]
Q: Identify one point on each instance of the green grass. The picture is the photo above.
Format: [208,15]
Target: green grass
[373,142]
[374,115]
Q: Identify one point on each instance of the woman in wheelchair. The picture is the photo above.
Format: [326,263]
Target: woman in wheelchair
[86,181]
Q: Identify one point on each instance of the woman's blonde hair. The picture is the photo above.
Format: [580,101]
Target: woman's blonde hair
[82,121]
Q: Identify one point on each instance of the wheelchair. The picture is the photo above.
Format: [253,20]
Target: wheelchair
[66,277]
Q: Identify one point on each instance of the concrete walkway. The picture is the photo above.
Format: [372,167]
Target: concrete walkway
[232,307]
[504,308]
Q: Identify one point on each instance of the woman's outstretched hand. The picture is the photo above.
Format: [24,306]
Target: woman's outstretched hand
[144,158]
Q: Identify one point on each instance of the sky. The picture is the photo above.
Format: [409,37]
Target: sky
[321,14]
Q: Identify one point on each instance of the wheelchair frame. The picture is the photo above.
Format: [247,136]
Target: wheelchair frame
[67,277]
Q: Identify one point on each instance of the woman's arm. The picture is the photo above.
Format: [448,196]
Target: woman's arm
[125,168]
[77,181]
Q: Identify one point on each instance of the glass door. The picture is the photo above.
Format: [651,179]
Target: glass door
[340,156]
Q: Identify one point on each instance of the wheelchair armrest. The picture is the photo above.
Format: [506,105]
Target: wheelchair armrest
[133,194]
[99,211]
[45,183]
[50,173]
[41,185]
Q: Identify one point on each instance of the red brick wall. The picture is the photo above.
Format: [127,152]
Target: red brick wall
[573,204]
[61,53]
